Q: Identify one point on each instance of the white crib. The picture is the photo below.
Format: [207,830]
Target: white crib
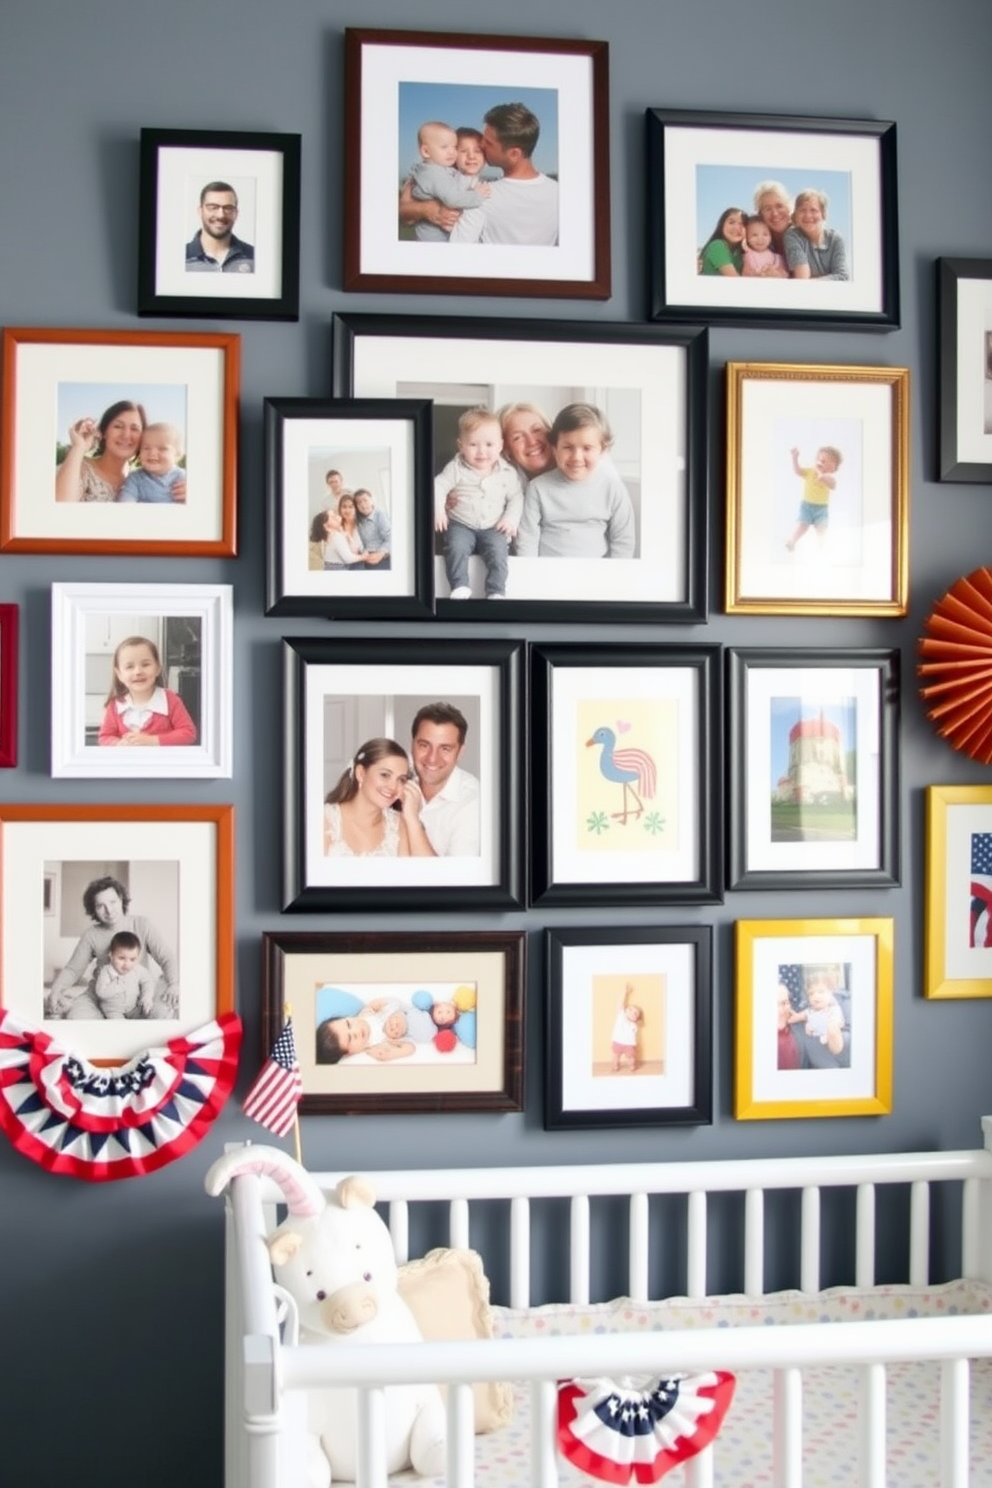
[265,1377]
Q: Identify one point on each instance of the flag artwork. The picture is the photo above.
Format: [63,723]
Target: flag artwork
[980,920]
[275,1093]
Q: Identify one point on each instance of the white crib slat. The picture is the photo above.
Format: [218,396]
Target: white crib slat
[699,1470]
[543,1434]
[372,1439]
[578,1251]
[399,1229]
[971,1251]
[696,1260]
[754,1242]
[519,1252]
[787,1433]
[458,1224]
[637,1278]
[954,1379]
[919,1234]
[460,1465]
[864,1273]
[871,1427]
[809,1278]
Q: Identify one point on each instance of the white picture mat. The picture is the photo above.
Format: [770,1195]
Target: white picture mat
[765,404]
[580,964]
[40,369]
[384,67]
[28,846]
[688,147]
[212,756]
[961,962]
[426,682]
[821,686]
[381,363]
[300,436]
[974,320]
[257,178]
[574,685]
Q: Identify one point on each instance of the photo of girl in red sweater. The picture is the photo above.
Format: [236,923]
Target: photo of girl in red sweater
[141,710]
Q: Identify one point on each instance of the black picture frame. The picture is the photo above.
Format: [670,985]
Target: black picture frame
[172,162]
[685,723]
[664,387]
[391,451]
[964,308]
[863,150]
[378,685]
[668,970]
[489,967]
[852,715]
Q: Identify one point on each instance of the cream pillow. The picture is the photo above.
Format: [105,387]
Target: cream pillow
[448,1293]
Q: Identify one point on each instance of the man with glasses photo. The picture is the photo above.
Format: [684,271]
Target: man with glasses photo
[215,249]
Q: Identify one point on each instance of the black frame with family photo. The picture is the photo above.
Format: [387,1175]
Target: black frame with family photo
[649,386]
[964,302]
[395,69]
[488,965]
[856,158]
[338,692]
[390,444]
[168,158]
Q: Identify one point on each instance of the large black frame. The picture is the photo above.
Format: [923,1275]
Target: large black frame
[362,653]
[691,607]
[418,604]
[886,317]
[950,273]
[742,661]
[706,887]
[285,305]
[559,1009]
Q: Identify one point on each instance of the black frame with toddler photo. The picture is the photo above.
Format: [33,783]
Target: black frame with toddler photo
[390,441]
[173,161]
[678,960]
[340,692]
[490,965]
[856,158]
[649,382]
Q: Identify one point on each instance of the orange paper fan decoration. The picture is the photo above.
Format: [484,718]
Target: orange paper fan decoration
[957,665]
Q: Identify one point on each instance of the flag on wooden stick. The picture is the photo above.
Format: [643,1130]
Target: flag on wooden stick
[277,1088]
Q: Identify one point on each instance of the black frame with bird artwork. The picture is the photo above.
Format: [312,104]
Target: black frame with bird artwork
[660,842]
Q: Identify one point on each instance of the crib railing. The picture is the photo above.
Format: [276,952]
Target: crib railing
[266,1379]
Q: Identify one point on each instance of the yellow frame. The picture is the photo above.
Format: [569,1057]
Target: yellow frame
[746,934]
[937,984]
[738,373]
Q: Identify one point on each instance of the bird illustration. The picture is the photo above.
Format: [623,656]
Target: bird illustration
[626,767]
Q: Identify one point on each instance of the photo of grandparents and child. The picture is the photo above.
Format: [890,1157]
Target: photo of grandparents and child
[514,481]
[123,454]
[478,165]
[348,509]
[756,224]
[813,1004]
[366,1023]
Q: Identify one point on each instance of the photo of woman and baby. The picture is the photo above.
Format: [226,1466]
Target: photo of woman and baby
[754,228]
[132,451]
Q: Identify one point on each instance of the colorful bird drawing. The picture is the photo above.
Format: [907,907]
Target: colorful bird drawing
[627,768]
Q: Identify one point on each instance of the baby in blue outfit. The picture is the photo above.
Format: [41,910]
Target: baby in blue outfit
[159,472]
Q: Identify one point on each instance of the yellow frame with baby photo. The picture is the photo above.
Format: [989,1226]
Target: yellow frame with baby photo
[803,540]
[775,960]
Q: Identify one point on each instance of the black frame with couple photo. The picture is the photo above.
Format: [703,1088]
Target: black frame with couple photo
[404,774]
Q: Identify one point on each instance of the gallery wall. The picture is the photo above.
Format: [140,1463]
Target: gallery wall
[111,1296]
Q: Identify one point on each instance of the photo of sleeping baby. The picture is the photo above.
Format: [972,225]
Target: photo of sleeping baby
[370,1023]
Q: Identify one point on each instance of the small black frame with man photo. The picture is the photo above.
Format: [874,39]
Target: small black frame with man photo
[403,774]
[764,219]
[349,505]
[476,165]
[219,224]
[964,287]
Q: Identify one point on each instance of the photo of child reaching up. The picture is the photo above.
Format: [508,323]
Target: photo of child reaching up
[581,509]
[477,504]
[436,177]
[819,482]
[626,1031]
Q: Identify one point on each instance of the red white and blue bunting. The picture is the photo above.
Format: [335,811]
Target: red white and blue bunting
[628,1430]
[99,1123]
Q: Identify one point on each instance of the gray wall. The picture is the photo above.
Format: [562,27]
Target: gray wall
[110,1297]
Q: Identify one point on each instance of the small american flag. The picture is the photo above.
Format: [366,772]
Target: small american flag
[980,929]
[276,1090]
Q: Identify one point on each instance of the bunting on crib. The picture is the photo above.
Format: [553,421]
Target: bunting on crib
[103,1122]
[636,1430]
